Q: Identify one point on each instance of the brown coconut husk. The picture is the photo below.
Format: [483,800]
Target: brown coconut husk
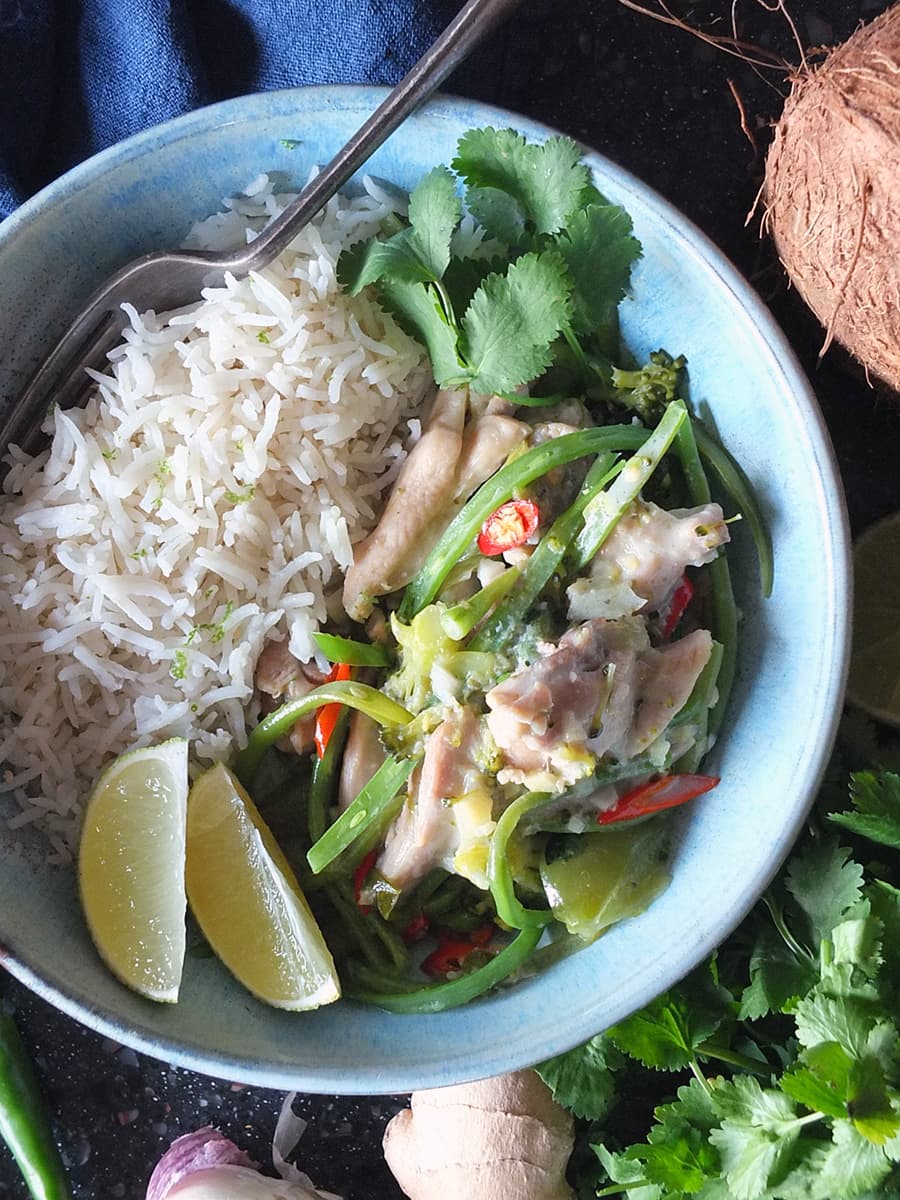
[832,194]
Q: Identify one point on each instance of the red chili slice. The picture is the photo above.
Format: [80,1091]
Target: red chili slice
[674,609]
[453,950]
[416,929]
[666,792]
[508,526]
[327,715]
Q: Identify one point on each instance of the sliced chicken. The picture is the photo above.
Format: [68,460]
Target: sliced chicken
[602,691]
[281,677]
[487,444]
[363,755]
[429,828]
[642,561]
[389,557]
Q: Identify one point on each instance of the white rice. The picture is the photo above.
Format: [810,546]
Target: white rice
[205,499]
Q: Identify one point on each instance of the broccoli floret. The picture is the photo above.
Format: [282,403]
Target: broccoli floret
[648,389]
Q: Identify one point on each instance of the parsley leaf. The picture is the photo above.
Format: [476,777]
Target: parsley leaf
[514,187]
[582,1080]
[877,802]
[512,321]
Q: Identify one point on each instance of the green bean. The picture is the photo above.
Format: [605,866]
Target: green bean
[321,789]
[354,654]
[605,510]
[355,695]
[510,910]
[497,490]
[440,996]
[366,925]
[23,1120]
[699,700]
[543,562]
[724,609]
[459,621]
[372,810]
[735,484]
[375,979]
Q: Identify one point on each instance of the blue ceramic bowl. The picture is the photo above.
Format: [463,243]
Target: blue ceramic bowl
[143,195]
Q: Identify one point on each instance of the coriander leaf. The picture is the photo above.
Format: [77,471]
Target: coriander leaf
[582,1079]
[464,276]
[678,1155]
[434,212]
[846,1020]
[877,802]
[515,187]
[814,1093]
[757,1136]
[870,1107]
[851,1166]
[396,258]
[668,1032]
[511,322]
[750,1157]
[778,978]
[599,250]
[620,1169]
[744,1101]
[826,883]
[419,311]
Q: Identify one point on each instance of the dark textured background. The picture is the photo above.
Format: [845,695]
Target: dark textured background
[656,100]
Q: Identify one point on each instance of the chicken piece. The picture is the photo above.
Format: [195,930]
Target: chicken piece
[668,678]
[603,691]
[541,717]
[363,755]
[389,557]
[280,677]
[430,827]
[487,443]
[643,559]
[555,491]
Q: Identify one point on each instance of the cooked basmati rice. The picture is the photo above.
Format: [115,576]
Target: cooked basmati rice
[206,499]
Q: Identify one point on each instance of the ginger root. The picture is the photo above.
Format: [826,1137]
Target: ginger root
[499,1139]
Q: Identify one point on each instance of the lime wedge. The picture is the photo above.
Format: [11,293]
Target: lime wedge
[247,900]
[874,681]
[131,867]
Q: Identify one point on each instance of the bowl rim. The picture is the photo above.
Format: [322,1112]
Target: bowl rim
[385,1080]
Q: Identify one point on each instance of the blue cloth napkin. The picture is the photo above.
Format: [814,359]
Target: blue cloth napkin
[78,75]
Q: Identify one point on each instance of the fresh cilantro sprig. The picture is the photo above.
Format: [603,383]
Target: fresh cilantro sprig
[560,264]
[790,1036]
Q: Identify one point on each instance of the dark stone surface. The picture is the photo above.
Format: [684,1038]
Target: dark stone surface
[658,101]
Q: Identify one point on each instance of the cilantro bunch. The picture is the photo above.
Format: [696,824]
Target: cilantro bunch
[788,1039]
[558,262]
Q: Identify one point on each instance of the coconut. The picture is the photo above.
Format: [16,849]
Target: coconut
[832,194]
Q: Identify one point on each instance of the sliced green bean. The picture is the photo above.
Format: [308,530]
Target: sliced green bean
[506,620]
[355,654]
[605,510]
[440,996]
[510,909]
[724,609]
[368,927]
[699,700]
[521,471]
[360,696]
[459,621]
[373,809]
[735,484]
[321,789]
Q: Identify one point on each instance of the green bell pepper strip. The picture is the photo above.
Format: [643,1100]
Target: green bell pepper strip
[360,696]
[24,1125]
[321,789]
[440,996]
[506,620]
[604,511]
[510,910]
[496,491]
[354,654]
[732,479]
[373,809]
[724,609]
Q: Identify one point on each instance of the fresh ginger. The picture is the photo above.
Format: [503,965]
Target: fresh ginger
[504,1138]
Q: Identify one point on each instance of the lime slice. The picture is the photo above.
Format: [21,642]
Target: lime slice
[131,867]
[874,681]
[248,902]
